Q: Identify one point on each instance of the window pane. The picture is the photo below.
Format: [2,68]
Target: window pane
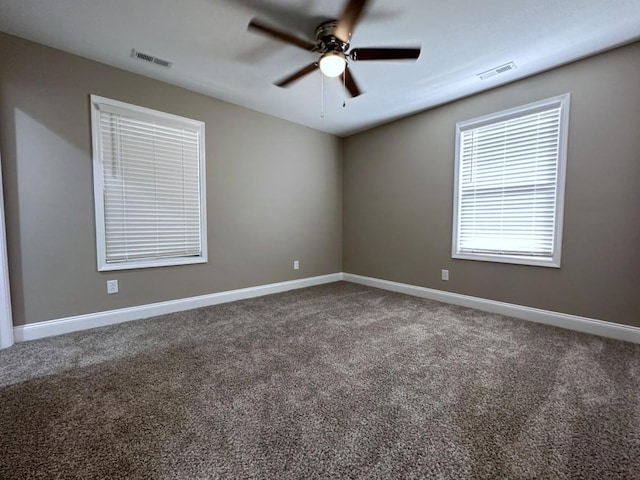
[508,182]
[150,167]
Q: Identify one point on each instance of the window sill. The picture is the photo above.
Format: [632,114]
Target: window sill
[513,259]
[162,262]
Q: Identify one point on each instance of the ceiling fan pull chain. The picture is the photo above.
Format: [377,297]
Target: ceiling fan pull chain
[344,84]
[321,95]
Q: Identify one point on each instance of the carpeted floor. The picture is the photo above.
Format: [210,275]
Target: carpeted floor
[336,381]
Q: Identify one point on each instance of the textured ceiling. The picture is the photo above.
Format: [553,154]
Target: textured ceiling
[213,53]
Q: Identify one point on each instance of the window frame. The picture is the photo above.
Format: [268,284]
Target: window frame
[165,119]
[563,101]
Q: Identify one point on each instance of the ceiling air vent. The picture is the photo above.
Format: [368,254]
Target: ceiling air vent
[497,70]
[150,58]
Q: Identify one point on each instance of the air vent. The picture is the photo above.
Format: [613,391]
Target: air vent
[497,70]
[150,58]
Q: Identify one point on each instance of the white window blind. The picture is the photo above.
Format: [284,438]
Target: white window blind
[148,171]
[510,184]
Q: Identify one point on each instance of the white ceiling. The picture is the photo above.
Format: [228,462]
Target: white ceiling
[213,53]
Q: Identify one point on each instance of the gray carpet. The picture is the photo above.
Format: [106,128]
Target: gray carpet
[336,381]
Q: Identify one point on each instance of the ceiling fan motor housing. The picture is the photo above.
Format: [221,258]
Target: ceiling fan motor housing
[327,41]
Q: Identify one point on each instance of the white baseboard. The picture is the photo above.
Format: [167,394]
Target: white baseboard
[59,326]
[562,320]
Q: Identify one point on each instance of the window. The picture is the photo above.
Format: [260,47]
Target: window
[149,187]
[509,184]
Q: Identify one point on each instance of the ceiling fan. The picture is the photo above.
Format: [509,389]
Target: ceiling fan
[332,41]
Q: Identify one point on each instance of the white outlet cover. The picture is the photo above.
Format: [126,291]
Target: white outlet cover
[112,286]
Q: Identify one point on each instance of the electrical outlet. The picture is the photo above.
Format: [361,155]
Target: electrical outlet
[112,286]
[296,265]
[445,274]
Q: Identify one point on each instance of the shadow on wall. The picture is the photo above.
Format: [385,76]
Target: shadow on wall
[53,185]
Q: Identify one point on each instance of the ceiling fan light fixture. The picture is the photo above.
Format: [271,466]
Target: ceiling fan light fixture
[332,64]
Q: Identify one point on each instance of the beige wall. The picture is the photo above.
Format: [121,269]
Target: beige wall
[398,196]
[273,190]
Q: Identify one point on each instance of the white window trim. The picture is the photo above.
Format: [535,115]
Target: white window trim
[6,318]
[564,102]
[98,183]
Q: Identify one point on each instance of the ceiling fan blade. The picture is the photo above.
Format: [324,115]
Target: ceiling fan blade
[350,83]
[348,18]
[359,54]
[297,75]
[282,36]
